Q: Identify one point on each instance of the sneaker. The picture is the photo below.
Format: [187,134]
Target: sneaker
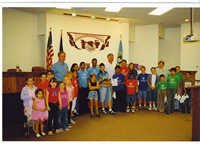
[133,110]
[154,108]
[98,115]
[127,110]
[43,134]
[103,112]
[112,112]
[38,135]
[50,133]
[73,122]
[140,107]
[69,126]
[149,109]
[167,112]
[91,116]
[57,131]
[67,129]
[61,130]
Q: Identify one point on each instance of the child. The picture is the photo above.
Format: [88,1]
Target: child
[28,95]
[94,69]
[133,70]
[52,100]
[70,92]
[173,88]
[124,69]
[74,67]
[162,93]
[105,89]
[187,91]
[180,77]
[39,111]
[44,83]
[50,74]
[64,107]
[152,81]
[83,88]
[142,78]
[69,75]
[75,85]
[119,104]
[93,95]
[131,85]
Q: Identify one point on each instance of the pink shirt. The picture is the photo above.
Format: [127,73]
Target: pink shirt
[64,98]
[69,91]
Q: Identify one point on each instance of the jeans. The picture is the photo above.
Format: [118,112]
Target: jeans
[188,102]
[130,98]
[161,99]
[69,112]
[83,101]
[62,118]
[142,93]
[152,95]
[105,93]
[176,104]
[53,115]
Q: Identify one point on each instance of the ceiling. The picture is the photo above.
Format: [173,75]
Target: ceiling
[138,16]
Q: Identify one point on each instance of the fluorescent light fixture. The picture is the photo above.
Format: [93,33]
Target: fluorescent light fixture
[108,19]
[63,7]
[160,10]
[73,14]
[93,17]
[187,20]
[113,9]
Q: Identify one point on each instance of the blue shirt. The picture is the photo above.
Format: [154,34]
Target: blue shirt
[143,81]
[102,77]
[93,70]
[135,74]
[83,77]
[120,78]
[59,70]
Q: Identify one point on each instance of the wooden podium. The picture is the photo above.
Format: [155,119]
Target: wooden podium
[195,113]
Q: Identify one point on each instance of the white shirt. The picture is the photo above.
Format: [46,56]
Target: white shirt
[110,69]
[153,80]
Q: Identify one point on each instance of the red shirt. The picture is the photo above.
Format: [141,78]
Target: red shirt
[124,71]
[75,85]
[131,86]
[43,86]
[53,94]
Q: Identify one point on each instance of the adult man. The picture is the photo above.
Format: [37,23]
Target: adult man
[109,67]
[161,70]
[60,67]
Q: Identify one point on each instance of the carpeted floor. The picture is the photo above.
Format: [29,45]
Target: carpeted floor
[141,126]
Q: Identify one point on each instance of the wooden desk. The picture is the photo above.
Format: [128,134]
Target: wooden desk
[193,73]
[13,82]
[196,113]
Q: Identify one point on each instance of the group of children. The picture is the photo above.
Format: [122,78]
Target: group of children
[81,89]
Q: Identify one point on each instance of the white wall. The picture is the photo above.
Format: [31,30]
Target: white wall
[145,49]
[82,25]
[20,42]
[170,47]
[190,51]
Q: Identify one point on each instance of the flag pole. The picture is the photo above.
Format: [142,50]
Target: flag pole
[120,37]
[61,31]
[50,29]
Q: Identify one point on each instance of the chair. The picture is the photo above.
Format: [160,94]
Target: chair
[13,70]
[38,68]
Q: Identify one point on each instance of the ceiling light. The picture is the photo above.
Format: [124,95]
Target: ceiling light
[113,9]
[160,10]
[186,20]
[93,17]
[108,19]
[73,14]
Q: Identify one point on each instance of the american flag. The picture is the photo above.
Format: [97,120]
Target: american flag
[50,53]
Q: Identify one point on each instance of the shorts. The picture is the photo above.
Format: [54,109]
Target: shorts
[152,95]
[142,93]
[93,95]
[130,97]
[105,93]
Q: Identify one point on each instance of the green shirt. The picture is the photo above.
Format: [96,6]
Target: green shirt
[162,85]
[179,76]
[172,82]
[165,72]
